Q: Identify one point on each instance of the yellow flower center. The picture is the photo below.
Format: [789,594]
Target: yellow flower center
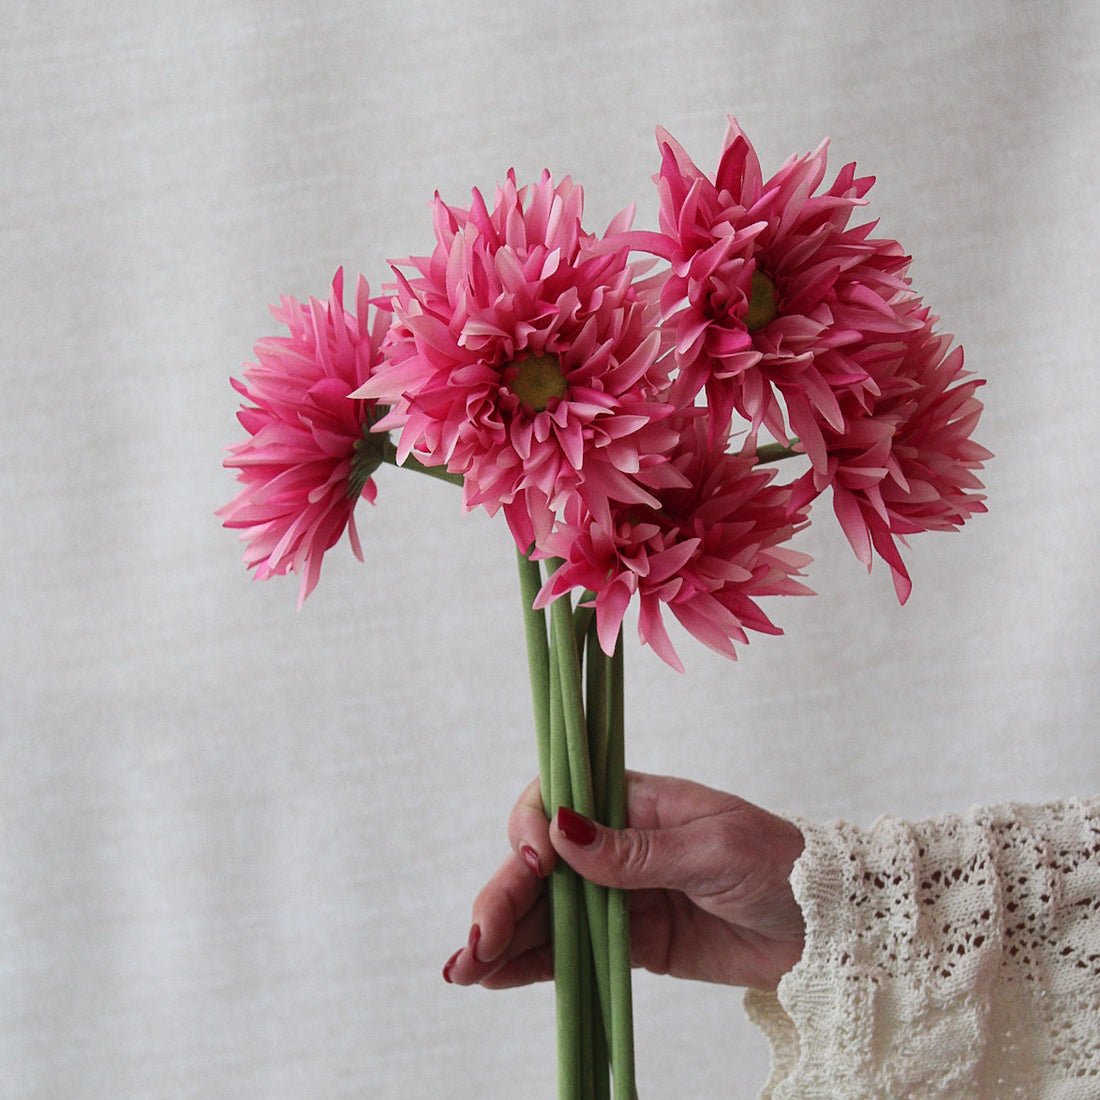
[538,378]
[763,302]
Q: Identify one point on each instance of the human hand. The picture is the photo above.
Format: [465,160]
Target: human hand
[708,875]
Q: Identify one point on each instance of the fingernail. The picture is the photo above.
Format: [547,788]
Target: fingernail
[472,941]
[531,858]
[574,827]
[449,965]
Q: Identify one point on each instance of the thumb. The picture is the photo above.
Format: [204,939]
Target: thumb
[682,857]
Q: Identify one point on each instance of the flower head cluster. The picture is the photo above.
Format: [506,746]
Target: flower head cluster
[592,399]
[310,451]
[785,312]
[525,356]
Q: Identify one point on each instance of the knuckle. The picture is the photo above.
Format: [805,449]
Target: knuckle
[634,855]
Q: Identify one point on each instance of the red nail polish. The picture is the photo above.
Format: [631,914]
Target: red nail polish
[575,828]
[531,858]
[472,941]
[449,965]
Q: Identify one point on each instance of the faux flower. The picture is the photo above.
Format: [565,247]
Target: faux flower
[310,451]
[906,461]
[771,288]
[709,550]
[525,356]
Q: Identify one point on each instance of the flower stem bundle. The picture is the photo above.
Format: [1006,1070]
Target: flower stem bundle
[579,730]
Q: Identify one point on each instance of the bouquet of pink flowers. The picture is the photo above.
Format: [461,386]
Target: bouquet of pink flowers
[623,399]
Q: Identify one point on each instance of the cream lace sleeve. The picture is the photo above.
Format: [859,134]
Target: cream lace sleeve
[954,958]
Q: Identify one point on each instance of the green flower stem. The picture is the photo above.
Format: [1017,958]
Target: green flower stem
[579,730]
[597,669]
[572,699]
[567,660]
[582,620]
[538,665]
[618,918]
[565,912]
[583,615]
[616,739]
[601,1085]
[776,452]
[565,906]
[441,473]
[590,1021]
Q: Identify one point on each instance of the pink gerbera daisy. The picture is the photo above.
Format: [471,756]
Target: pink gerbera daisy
[905,461]
[771,289]
[310,451]
[707,552]
[527,359]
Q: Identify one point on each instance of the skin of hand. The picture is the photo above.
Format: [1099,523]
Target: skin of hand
[709,882]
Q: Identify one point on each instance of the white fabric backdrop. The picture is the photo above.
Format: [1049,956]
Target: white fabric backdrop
[237,842]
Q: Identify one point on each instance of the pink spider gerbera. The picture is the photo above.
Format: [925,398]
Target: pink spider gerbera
[771,290]
[905,461]
[527,359]
[310,451]
[712,547]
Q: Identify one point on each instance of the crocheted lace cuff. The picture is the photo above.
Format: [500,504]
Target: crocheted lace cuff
[958,957]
